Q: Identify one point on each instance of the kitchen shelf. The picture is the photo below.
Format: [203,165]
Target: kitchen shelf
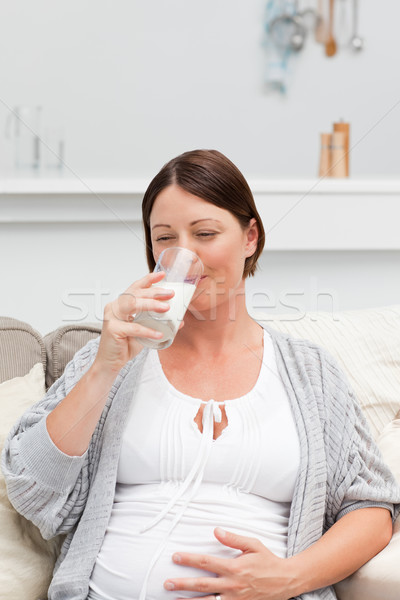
[60,186]
[298,214]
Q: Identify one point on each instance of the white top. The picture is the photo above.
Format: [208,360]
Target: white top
[175,484]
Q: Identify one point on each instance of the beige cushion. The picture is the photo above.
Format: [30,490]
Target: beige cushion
[62,344]
[379,579]
[366,344]
[21,347]
[26,560]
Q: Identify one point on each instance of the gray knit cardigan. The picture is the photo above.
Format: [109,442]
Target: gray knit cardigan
[341,469]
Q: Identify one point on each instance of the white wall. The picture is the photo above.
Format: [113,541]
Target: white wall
[61,273]
[135,83]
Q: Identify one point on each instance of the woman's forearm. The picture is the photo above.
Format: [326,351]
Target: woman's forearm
[344,548]
[72,423]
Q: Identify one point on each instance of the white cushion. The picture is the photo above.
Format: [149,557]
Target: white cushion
[366,343]
[379,579]
[389,444]
[26,560]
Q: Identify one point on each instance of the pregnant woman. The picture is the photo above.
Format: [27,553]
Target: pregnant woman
[234,464]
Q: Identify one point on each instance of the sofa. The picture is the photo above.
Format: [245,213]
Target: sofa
[366,343]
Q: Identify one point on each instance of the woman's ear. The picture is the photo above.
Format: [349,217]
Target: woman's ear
[252,238]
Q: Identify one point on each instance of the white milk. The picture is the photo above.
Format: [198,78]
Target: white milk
[168,322]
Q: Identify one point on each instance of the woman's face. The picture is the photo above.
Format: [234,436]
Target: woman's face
[179,218]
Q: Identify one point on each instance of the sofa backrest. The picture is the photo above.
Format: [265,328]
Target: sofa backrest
[62,344]
[21,347]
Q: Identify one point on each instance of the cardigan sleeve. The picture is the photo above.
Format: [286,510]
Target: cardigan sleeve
[358,477]
[45,485]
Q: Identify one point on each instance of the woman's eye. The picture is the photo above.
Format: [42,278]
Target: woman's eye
[206,234]
[164,238]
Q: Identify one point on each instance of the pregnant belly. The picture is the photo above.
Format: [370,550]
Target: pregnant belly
[126,553]
[125,556]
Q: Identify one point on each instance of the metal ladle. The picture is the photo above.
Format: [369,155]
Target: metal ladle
[356,42]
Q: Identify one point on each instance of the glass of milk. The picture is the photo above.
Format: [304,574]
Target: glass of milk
[183,270]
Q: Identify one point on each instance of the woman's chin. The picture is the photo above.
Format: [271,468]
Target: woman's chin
[206,307]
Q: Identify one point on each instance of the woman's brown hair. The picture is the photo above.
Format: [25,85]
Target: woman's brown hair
[209,175]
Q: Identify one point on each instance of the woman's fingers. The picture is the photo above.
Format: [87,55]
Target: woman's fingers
[136,330]
[240,542]
[118,342]
[212,597]
[204,585]
[123,308]
[147,281]
[128,304]
[213,564]
[140,296]
[256,573]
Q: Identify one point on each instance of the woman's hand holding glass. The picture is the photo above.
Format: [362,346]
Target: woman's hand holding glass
[72,422]
[118,342]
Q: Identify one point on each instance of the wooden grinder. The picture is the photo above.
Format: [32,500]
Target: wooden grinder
[344,128]
[325,156]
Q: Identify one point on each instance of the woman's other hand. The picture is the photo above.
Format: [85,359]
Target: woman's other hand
[257,574]
[118,342]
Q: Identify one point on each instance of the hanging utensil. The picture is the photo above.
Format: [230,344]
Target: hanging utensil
[277,72]
[288,32]
[356,42]
[343,24]
[330,44]
[309,18]
[320,26]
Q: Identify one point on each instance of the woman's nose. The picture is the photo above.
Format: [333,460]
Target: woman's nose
[188,243]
